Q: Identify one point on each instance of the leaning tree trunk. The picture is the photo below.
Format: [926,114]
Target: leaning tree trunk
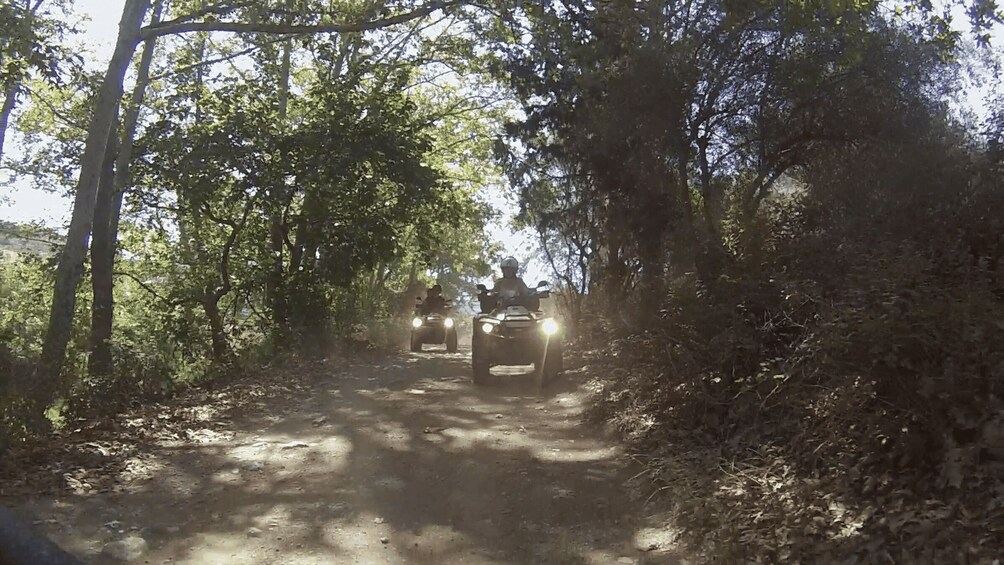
[102,259]
[14,87]
[10,100]
[106,215]
[70,267]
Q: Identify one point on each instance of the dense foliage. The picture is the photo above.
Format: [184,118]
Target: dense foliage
[258,197]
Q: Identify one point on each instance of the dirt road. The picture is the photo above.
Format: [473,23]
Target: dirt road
[397,461]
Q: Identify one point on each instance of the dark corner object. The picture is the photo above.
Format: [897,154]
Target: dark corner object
[21,544]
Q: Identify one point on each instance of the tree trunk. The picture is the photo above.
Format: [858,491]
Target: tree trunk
[277,282]
[296,253]
[212,295]
[70,266]
[107,211]
[685,250]
[14,88]
[102,261]
[615,271]
[8,108]
[221,347]
[712,256]
[410,289]
[714,211]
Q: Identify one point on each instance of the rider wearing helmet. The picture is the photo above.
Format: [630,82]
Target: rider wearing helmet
[510,285]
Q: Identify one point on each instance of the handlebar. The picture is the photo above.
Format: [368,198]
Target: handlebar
[534,293]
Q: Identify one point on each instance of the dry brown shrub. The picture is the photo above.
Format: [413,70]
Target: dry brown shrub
[843,378]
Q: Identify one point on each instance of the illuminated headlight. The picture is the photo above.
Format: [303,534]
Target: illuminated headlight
[448,322]
[416,323]
[550,327]
[487,328]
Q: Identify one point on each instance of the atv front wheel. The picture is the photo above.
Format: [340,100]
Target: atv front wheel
[416,343]
[480,365]
[451,341]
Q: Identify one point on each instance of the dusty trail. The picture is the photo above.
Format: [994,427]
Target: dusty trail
[403,461]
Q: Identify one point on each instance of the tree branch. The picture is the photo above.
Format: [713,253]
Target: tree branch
[217,10]
[148,288]
[249,300]
[205,63]
[178,27]
[554,267]
[67,120]
[12,233]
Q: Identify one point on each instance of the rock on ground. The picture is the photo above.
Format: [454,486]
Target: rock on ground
[128,549]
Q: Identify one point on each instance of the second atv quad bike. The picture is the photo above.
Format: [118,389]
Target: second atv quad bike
[514,331]
[433,326]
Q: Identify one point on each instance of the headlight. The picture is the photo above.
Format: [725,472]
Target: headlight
[549,326]
[448,322]
[487,328]
[416,323]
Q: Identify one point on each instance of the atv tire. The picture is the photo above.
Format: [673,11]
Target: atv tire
[480,366]
[416,343]
[451,341]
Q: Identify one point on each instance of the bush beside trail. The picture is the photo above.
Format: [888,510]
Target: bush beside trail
[836,394]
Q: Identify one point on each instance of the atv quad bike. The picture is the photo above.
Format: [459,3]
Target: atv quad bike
[433,326]
[514,331]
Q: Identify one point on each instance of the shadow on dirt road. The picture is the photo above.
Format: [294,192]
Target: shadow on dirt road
[402,461]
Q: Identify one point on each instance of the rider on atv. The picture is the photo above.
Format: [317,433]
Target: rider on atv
[510,288]
[434,302]
[432,322]
[511,329]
